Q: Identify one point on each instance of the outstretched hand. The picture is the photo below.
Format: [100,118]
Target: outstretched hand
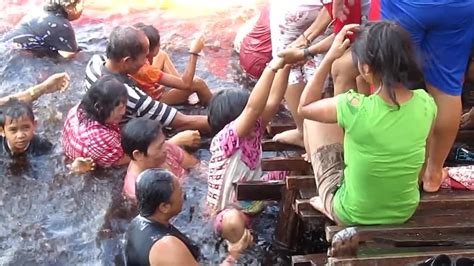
[82,165]
[56,82]
[292,55]
[341,43]
[197,44]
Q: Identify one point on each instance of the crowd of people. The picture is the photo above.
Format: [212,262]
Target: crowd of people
[371,145]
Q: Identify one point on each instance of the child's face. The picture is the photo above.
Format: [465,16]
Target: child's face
[156,153]
[19,132]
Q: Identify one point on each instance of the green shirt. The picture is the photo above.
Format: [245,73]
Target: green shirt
[384,150]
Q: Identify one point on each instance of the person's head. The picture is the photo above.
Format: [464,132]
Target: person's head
[142,141]
[71,9]
[127,49]
[18,124]
[159,191]
[153,36]
[106,101]
[225,106]
[383,52]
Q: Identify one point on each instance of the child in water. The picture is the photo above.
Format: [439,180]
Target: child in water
[238,119]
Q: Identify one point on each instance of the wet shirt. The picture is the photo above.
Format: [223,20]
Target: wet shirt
[37,147]
[234,159]
[384,150]
[49,31]
[143,233]
[84,137]
[139,104]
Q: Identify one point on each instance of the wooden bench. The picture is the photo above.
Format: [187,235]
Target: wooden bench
[442,224]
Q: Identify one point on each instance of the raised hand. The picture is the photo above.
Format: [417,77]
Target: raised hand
[197,44]
[341,43]
[292,55]
[82,165]
[340,9]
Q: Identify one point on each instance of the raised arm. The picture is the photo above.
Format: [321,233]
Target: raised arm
[258,99]
[325,110]
[317,28]
[276,94]
[58,81]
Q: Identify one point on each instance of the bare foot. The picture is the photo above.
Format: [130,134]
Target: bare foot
[190,138]
[292,136]
[306,157]
[432,179]
[345,243]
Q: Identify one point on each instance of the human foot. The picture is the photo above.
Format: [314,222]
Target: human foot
[467,119]
[292,136]
[190,138]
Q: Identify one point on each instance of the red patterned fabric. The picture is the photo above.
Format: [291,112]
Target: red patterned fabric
[84,137]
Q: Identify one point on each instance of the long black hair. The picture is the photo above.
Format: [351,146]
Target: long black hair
[102,98]
[388,50]
[225,106]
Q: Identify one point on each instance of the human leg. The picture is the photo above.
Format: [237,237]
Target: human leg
[324,145]
[232,225]
[198,122]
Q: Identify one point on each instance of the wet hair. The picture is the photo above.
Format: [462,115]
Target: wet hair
[138,134]
[58,6]
[101,99]
[154,186]
[225,106]
[151,33]
[124,41]
[388,50]
[15,109]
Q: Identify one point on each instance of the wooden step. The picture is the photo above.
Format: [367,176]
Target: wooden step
[300,182]
[395,257]
[286,164]
[309,260]
[440,221]
[259,190]
[270,145]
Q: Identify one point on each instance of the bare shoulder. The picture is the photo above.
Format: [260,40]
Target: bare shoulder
[169,250]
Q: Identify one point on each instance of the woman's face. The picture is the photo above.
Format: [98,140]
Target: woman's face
[117,113]
[74,11]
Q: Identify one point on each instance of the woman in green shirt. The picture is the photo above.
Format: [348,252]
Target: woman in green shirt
[367,151]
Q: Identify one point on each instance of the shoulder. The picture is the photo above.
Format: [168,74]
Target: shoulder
[167,248]
[41,145]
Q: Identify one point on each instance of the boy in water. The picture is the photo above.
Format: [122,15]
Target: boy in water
[18,131]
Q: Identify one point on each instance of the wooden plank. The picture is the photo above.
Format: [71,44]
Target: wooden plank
[447,199]
[465,136]
[280,125]
[300,182]
[286,164]
[393,257]
[270,145]
[287,227]
[259,190]
[311,259]
[445,221]
[307,193]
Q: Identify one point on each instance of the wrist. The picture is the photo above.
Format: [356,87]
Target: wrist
[194,53]
[306,38]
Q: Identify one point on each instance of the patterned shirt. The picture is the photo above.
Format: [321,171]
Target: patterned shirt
[84,137]
[234,159]
[139,104]
[49,31]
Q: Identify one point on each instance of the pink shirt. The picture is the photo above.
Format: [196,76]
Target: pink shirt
[233,159]
[84,137]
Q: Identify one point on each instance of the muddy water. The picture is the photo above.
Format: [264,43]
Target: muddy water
[51,217]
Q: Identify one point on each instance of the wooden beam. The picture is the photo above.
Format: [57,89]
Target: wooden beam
[465,136]
[309,260]
[259,190]
[446,199]
[286,164]
[378,257]
[301,181]
[270,145]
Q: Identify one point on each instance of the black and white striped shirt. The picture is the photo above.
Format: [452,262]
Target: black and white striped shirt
[139,104]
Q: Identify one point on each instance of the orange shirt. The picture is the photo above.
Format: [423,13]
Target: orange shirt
[147,79]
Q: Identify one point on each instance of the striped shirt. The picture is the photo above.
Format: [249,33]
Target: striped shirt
[139,104]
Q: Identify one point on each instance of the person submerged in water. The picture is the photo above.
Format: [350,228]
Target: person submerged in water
[50,33]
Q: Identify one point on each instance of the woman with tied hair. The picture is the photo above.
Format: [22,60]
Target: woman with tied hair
[51,32]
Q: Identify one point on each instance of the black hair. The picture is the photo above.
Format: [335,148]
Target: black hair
[58,6]
[101,99]
[138,134]
[154,186]
[151,33]
[15,109]
[388,50]
[124,41]
[225,106]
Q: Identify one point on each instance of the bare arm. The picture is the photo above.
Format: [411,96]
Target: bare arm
[258,99]
[317,28]
[276,94]
[59,81]
[189,161]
